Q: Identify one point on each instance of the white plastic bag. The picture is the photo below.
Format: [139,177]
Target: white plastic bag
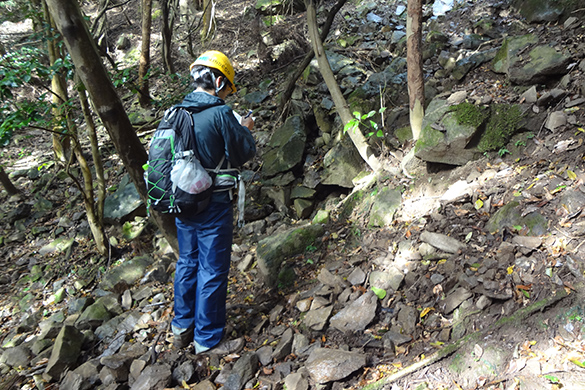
[190,176]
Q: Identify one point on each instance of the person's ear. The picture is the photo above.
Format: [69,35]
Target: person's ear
[219,81]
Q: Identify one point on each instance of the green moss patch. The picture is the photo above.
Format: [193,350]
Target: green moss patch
[504,120]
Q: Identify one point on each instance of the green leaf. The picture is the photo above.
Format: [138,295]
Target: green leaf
[381,110]
[577,362]
[374,125]
[380,293]
[357,115]
[478,204]
[552,378]
[380,134]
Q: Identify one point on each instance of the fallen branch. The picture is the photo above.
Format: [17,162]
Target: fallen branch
[453,347]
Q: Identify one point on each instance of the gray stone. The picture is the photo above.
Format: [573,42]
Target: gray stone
[89,371]
[443,139]
[287,146]
[122,203]
[530,95]
[93,316]
[392,277]
[300,344]
[442,242]
[511,215]
[357,277]
[453,300]
[265,355]
[537,11]
[328,279]
[317,319]
[157,377]
[274,249]
[185,373]
[527,241]
[284,346]
[59,245]
[303,208]
[396,338]
[328,364]
[555,120]
[483,302]
[357,315]
[296,381]
[386,202]
[407,319]
[341,164]
[205,385]
[437,278]
[242,372]
[18,356]
[65,352]
[72,381]
[128,272]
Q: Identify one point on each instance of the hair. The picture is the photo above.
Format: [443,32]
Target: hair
[204,77]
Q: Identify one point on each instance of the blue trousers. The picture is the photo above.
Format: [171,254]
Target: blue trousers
[201,276]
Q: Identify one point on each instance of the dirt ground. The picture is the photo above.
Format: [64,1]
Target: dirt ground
[540,348]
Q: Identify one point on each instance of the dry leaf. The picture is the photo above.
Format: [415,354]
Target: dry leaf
[426,311]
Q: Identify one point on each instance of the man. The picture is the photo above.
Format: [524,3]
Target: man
[205,239]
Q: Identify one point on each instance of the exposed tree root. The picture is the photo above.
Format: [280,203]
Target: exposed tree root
[520,315]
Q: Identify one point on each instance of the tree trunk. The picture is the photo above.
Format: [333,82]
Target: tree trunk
[61,142]
[167,35]
[416,86]
[97,159]
[144,88]
[7,183]
[85,57]
[356,135]
[291,82]
[208,20]
[86,188]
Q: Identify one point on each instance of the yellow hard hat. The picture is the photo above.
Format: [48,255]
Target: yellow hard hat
[217,60]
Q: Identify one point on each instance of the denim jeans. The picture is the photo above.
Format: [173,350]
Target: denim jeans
[201,275]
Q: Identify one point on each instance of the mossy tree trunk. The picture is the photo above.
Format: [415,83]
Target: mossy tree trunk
[208,26]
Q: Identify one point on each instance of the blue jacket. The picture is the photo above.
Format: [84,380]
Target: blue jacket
[218,133]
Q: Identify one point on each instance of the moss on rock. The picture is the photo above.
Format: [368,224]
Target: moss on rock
[504,121]
[469,114]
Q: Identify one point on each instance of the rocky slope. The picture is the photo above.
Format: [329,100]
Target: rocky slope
[472,272]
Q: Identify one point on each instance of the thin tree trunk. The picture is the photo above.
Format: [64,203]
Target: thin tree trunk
[144,88]
[167,35]
[416,86]
[85,57]
[356,135]
[61,142]
[290,84]
[95,225]
[7,183]
[208,20]
[97,159]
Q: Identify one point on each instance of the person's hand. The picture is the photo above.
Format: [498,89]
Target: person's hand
[248,122]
